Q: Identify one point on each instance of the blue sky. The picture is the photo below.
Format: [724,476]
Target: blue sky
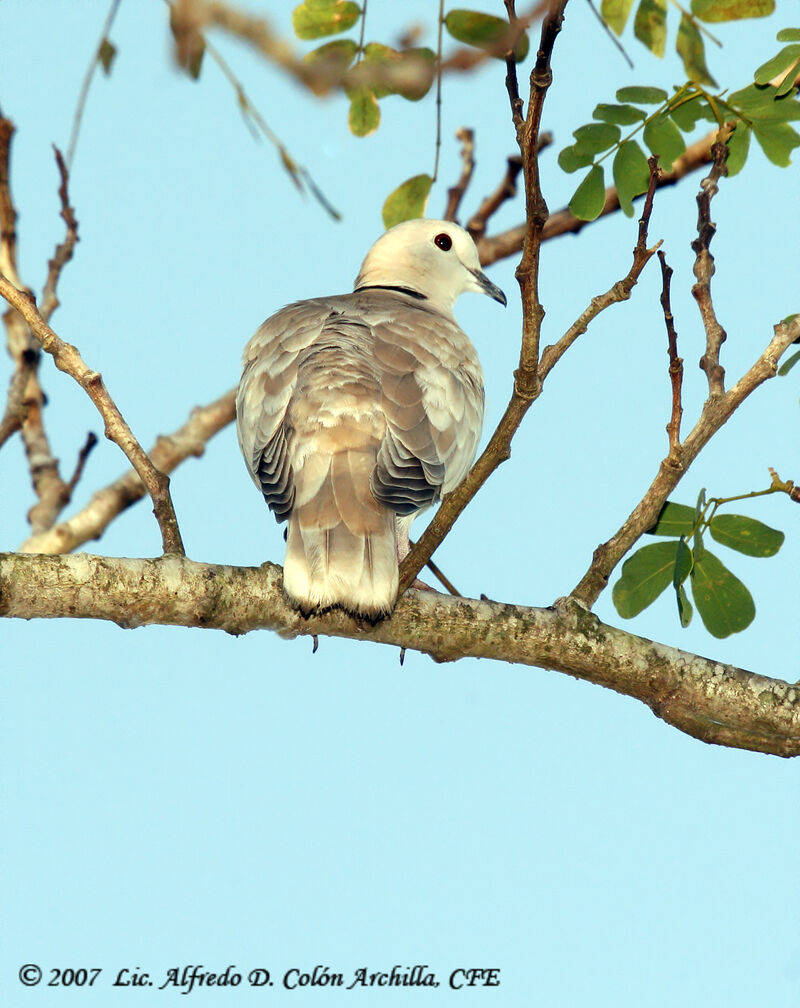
[177,797]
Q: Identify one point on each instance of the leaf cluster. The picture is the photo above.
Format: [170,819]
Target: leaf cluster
[650,26]
[723,601]
[761,109]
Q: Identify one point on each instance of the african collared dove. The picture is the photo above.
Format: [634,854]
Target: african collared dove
[357,411]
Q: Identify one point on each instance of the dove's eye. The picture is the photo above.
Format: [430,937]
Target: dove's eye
[443,241]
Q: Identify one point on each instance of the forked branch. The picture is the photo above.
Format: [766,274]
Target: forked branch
[67,359]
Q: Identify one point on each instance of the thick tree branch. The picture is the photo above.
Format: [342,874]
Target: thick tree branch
[706,699]
[716,411]
[67,359]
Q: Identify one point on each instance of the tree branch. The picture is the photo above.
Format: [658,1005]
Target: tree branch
[166,455]
[704,270]
[24,411]
[716,411]
[706,699]
[675,362]
[526,381]
[67,359]
[456,193]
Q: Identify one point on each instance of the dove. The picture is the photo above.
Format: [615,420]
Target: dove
[355,412]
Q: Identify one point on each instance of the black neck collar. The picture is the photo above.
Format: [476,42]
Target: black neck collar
[398,290]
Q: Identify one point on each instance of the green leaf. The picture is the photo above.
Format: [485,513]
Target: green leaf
[106,54]
[738,146]
[788,364]
[596,137]
[621,115]
[674,520]
[572,158]
[616,13]
[684,561]
[687,114]
[642,95]
[789,35]
[663,137]
[484,31]
[691,50]
[778,65]
[631,174]
[761,101]
[644,577]
[365,114]
[746,535]
[685,611]
[777,140]
[731,10]
[724,603]
[313,20]
[332,59]
[407,201]
[650,25]
[590,196]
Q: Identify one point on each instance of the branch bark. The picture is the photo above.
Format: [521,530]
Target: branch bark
[706,699]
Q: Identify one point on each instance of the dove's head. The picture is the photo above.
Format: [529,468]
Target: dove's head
[432,258]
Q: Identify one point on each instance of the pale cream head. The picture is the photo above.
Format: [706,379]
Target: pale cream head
[436,259]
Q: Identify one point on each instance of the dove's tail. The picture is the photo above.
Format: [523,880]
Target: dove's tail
[341,543]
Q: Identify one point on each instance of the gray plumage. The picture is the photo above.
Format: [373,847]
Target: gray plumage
[357,411]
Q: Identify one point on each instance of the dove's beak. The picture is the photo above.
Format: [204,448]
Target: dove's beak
[485,286]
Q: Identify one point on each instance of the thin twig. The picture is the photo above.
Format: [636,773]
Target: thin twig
[675,362]
[87,82]
[83,455]
[64,250]
[610,34]
[67,358]
[455,194]
[438,144]
[507,190]
[704,271]
[439,574]
[512,84]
